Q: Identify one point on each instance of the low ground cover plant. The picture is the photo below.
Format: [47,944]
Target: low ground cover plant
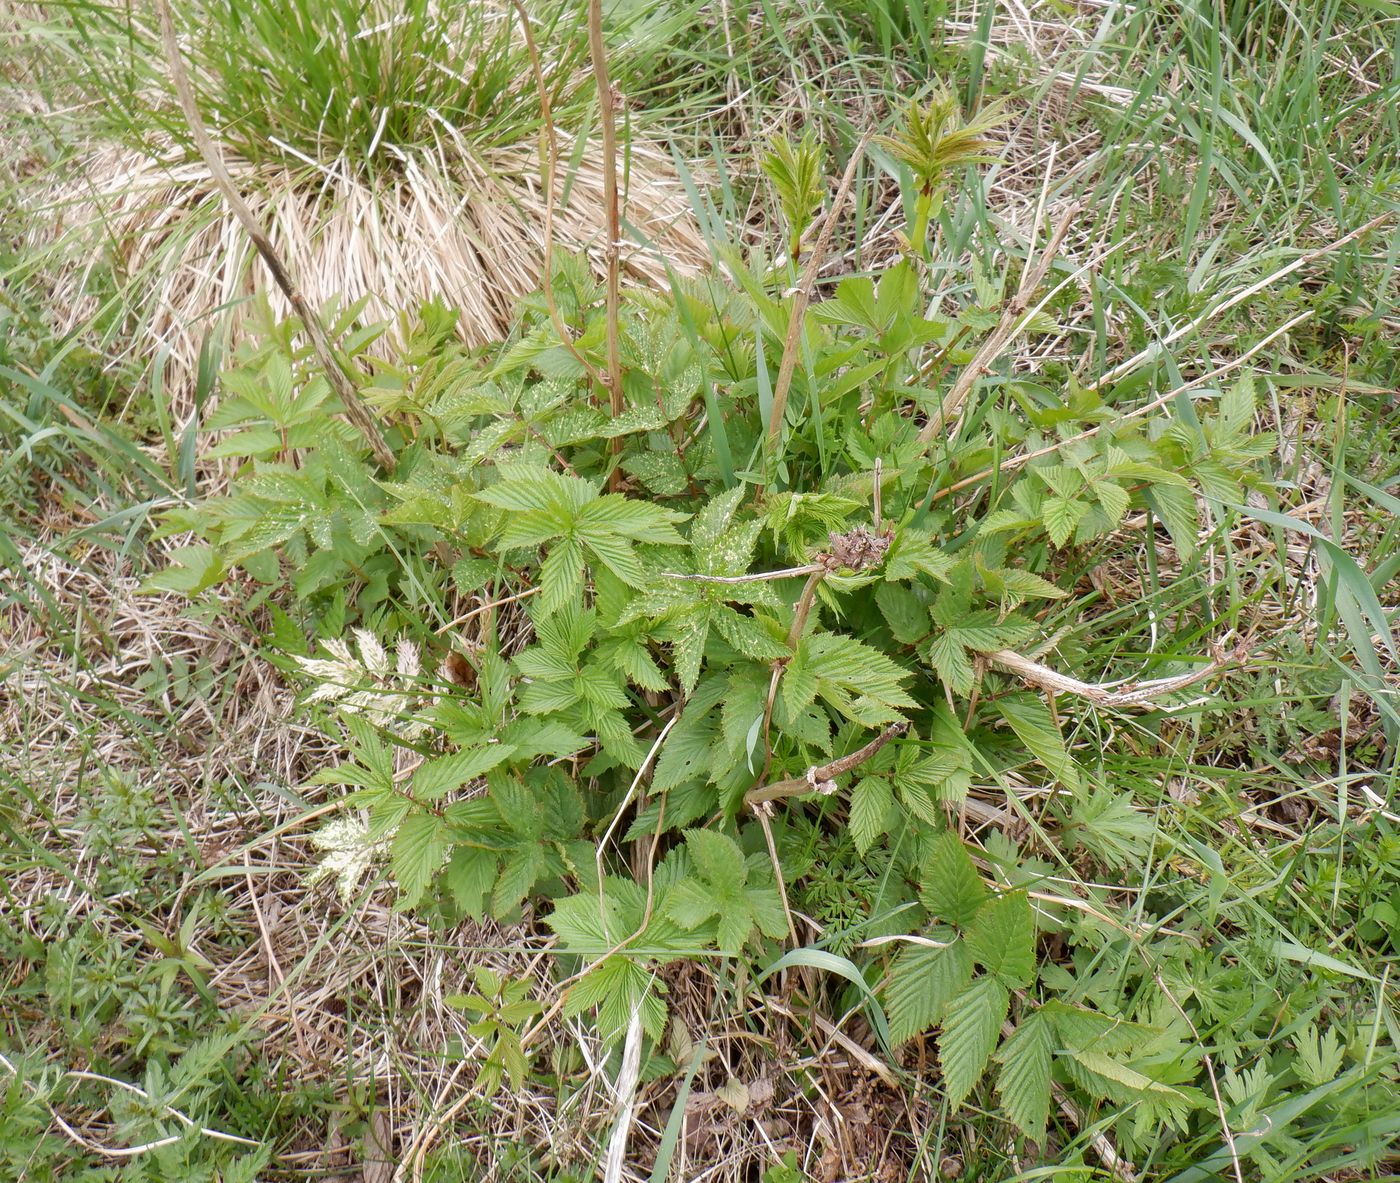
[743,644]
[914,699]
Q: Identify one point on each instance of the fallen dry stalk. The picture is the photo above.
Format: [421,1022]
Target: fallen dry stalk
[337,374]
[628,1078]
[607,104]
[757,577]
[1013,319]
[821,778]
[1121,696]
[550,162]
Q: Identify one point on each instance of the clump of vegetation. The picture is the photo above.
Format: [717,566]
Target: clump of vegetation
[825,620]
[914,699]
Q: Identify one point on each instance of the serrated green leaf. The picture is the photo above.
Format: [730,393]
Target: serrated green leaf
[192,569]
[1035,727]
[619,988]
[741,710]
[1121,1074]
[950,887]
[1177,509]
[561,577]
[855,679]
[1024,1081]
[1235,411]
[1114,499]
[835,657]
[433,778]
[951,662]
[1079,1028]
[746,634]
[591,925]
[519,874]
[712,521]
[691,903]
[620,517]
[871,799]
[1002,939]
[767,906]
[922,982]
[717,857]
[417,853]
[1061,516]
[913,553]
[659,472]
[904,612]
[970,1030]
[687,752]
[735,925]
[688,649]
[524,489]
[469,876]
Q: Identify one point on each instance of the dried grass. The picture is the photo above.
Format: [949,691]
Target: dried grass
[470,235]
[346,997]
[359,998]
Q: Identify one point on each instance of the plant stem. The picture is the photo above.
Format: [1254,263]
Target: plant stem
[550,161]
[798,313]
[1012,322]
[800,613]
[607,102]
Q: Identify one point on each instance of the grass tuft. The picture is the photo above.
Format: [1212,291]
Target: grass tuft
[393,160]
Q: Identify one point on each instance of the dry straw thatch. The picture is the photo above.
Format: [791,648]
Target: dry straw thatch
[473,240]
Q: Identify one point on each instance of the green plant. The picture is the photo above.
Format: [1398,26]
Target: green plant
[932,142]
[798,178]
[1204,850]
[499,1009]
[699,673]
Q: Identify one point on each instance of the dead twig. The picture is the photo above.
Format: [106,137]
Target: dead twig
[550,161]
[1121,696]
[336,370]
[821,778]
[480,608]
[628,1077]
[757,577]
[762,812]
[1013,319]
[608,99]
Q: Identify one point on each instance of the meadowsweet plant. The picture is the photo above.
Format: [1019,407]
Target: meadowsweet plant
[682,687]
